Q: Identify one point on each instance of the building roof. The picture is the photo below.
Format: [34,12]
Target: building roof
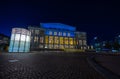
[57,26]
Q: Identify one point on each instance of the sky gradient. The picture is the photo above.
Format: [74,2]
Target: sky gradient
[97,18]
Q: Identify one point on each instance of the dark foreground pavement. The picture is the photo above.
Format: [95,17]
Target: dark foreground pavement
[46,66]
[110,63]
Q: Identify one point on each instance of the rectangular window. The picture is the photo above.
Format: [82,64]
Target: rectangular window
[64,34]
[80,42]
[66,46]
[50,32]
[50,46]
[35,39]
[60,33]
[37,32]
[61,40]
[68,34]
[71,41]
[40,46]
[55,33]
[50,39]
[56,40]
[66,40]
[84,42]
[46,39]
[61,47]
[41,39]
[56,47]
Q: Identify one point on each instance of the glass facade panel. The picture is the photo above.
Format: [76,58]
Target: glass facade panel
[12,36]
[17,37]
[11,46]
[20,40]
[23,38]
[21,49]
[15,48]
[27,46]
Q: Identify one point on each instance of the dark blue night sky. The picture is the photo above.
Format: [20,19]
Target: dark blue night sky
[97,18]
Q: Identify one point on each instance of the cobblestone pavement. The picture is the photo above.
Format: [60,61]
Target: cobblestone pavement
[110,62]
[46,66]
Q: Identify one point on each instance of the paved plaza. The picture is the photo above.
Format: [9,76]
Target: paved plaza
[46,65]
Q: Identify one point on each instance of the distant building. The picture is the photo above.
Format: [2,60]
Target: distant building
[4,42]
[55,36]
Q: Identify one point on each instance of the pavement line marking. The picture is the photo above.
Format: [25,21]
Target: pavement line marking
[12,61]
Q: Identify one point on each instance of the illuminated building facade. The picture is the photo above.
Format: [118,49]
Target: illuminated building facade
[47,36]
[56,36]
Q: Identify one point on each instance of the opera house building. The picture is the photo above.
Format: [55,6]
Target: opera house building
[47,36]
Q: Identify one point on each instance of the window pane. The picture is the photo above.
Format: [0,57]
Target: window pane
[51,39]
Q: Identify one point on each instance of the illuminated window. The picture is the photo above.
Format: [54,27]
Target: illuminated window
[50,46]
[37,32]
[61,47]
[56,47]
[71,41]
[22,38]
[51,39]
[84,42]
[55,33]
[46,46]
[46,39]
[41,39]
[40,46]
[60,33]
[56,40]
[64,34]
[68,34]
[80,42]
[36,39]
[81,47]
[66,40]
[71,46]
[66,46]
[17,37]
[84,47]
[50,32]
[32,31]
[74,41]
[61,40]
